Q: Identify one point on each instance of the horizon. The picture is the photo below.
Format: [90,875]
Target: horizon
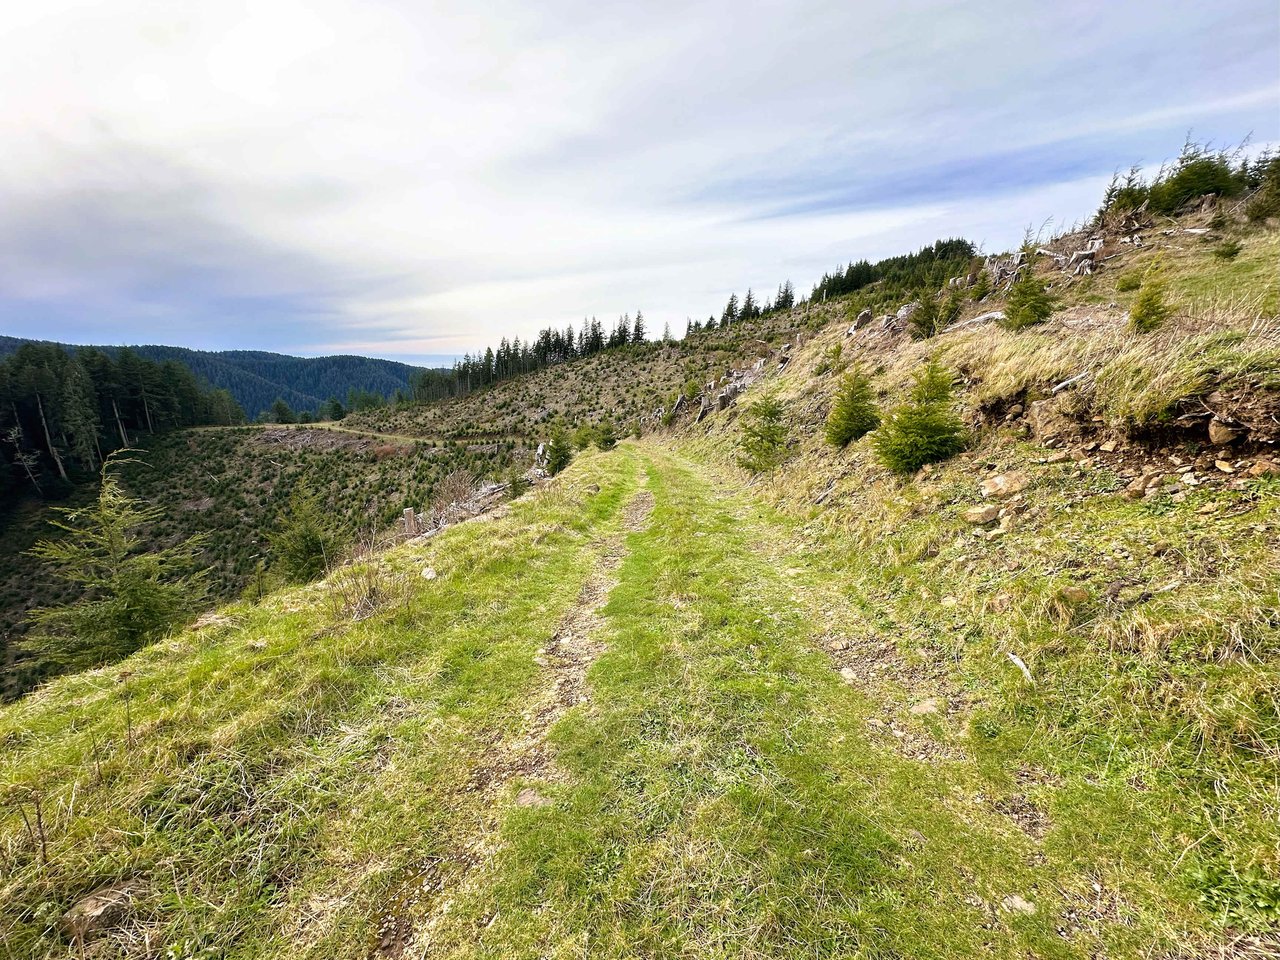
[333,178]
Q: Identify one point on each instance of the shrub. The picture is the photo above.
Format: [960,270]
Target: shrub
[981,287]
[1149,309]
[1128,282]
[1227,250]
[764,436]
[854,413]
[923,430]
[1028,304]
[923,321]
[559,453]
[606,439]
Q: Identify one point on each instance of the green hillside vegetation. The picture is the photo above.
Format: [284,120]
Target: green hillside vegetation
[255,379]
[874,645]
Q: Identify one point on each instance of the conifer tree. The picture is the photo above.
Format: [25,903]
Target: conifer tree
[305,543]
[730,311]
[127,597]
[606,438]
[559,452]
[638,332]
[1028,303]
[854,412]
[764,436]
[925,429]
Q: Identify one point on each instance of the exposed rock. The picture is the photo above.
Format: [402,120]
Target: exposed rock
[1144,485]
[429,573]
[983,514]
[1016,904]
[1265,468]
[1221,432]
[1004,485]
[106,907]
[1048,421]
[1074,594]
[848,675]
[929,706]
[529,797]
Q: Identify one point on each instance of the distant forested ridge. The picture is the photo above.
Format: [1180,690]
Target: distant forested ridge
[257,379]
[62,413]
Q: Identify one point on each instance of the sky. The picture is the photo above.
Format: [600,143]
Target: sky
[415,179]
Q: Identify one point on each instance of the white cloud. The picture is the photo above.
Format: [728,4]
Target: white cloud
[413,178]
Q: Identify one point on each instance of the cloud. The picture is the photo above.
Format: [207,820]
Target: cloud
[408,179]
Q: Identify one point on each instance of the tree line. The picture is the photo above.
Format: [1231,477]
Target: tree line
[514,357]
[63,413]
[931,266]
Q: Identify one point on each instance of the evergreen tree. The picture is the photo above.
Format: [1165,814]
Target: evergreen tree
[1150,310]
[925,429]
[764,436]
[304,543]
[559,452]
[80,414]
[1028,303]
[127,597]
[281,412]
[606,438]
[638,332]
[730,311]
[749,309]
[854,412]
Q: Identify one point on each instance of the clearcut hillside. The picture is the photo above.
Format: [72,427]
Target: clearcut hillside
[1020,701]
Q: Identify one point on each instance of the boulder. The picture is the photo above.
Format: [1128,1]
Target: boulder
[1265,468]
[1222,433]
[929,706]
[983,514]
[1144,485]
[1004,485]
[101,910]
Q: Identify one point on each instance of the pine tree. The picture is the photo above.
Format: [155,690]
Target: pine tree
[1150,310]
[638,332]
[730,311]
[764,436]
[925,429]
[559,452]
[281,412]
[128,597]
[80,414]
[749,310]
[1028,303]
[305,543]
[606,438]
[854,412]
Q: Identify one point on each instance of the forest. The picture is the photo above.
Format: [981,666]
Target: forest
[61,413]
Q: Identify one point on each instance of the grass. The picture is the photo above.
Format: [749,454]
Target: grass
[269,778]
[294,779]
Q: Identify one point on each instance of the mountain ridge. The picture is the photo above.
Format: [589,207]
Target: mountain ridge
[256,378]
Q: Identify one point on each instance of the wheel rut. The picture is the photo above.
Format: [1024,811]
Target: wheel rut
[427,893]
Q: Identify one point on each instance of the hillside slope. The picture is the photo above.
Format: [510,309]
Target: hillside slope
[1020,703]
[256,378]
[645,713]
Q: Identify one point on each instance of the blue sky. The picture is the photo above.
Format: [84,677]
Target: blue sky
[415,180]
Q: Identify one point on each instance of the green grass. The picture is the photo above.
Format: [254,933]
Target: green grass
[291,782]
[258,773]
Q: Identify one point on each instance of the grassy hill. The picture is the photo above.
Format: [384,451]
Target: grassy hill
[256,378]
[1020,703]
